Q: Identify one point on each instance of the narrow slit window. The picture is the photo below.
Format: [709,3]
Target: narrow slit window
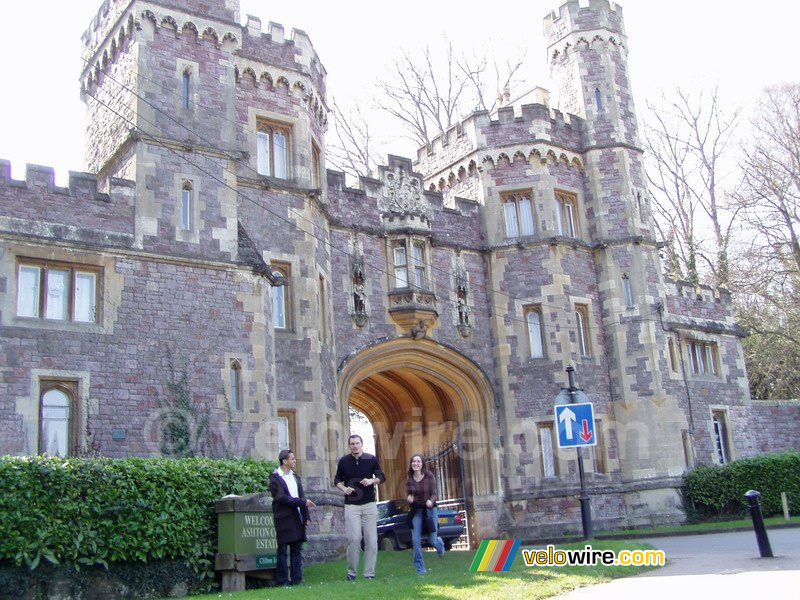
[280,297]
[186,206]
[186,86]
[236,385]
[626,286]
[598,99]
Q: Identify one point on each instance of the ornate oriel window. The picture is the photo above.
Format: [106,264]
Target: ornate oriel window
[409,264]
[272,149]
[57,291]
[518,215]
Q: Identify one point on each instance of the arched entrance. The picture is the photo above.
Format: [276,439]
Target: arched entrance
[419,395]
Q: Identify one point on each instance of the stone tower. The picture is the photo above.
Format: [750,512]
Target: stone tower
[587,50]
[221,129]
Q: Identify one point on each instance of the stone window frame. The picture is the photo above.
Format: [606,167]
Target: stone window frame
[282,294]
[627,290]
[266,130]
[553,449]
[187,206]
[187,74]
[316,166]
[719,428]
[529,310]
[287,417]
[522,218]
[68,387]
[582,312]
[703,357]
[566,211]
[236,384]
[324,321]
[672,356]
[416,270]
[73,270]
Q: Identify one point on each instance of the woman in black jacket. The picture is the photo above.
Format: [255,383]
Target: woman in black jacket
[290,512]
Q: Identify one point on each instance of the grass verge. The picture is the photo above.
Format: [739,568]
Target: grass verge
[447,578]
[708,526]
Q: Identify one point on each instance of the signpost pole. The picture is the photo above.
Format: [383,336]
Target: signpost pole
[586,507]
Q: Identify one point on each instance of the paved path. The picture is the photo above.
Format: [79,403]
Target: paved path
[720,566]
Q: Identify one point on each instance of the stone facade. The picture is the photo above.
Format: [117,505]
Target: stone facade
[444,298]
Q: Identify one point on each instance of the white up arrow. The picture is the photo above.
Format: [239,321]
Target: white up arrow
[567,417]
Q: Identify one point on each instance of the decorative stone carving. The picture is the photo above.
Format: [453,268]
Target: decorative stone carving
[402,193]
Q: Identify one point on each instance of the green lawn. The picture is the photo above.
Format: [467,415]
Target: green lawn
[746,523]
[447,577]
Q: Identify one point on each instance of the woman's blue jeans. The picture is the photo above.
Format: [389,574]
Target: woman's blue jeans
[433,537]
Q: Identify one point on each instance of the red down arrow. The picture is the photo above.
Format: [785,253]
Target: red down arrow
[586,435]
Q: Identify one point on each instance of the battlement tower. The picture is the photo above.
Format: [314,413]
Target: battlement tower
[588,53]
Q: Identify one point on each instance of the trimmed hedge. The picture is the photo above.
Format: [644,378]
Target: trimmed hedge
[80,512]
[718,492]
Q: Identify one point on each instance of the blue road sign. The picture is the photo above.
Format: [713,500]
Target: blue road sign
[575,425]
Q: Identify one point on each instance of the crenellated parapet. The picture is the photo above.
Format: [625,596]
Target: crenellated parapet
[579,20]
[534,132]
[267,58]
[80,211]
[700,308]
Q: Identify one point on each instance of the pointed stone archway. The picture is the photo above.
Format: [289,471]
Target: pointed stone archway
[418,394]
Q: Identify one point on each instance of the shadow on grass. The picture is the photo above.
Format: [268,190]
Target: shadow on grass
[448,578]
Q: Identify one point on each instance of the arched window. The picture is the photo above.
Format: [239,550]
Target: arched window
[236,385]
[280,297]
[272,144]
[582,326]
[566,211]
[598,99]
[518,213]
[57,419]
[187,200]
[535,331]
[186,86]
[626,287]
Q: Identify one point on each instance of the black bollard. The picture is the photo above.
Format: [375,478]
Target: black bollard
[758,523]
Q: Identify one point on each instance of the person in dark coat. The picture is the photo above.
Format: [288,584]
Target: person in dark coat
[290,512]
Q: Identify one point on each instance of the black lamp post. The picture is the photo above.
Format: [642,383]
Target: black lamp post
[586,507]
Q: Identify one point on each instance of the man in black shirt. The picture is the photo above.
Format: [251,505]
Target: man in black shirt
[357,475]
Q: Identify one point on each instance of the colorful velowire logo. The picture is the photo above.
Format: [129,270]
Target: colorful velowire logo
[495,555]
